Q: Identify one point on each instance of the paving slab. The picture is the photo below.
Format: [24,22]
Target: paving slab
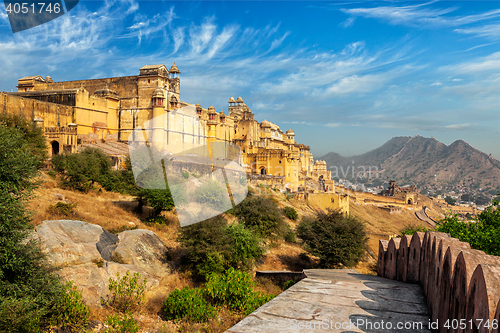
[341,300]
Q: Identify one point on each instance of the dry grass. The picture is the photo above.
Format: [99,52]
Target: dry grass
[286,256]
[115,213]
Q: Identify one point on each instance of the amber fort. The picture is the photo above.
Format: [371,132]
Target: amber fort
[104,112]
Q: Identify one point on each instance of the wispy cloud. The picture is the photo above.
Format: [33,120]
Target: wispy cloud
[349,22]
[489,30]
[423,15]
[490,64]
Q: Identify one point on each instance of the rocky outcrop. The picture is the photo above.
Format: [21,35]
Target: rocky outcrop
[89,255]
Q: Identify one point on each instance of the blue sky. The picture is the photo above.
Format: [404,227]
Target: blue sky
[346,76]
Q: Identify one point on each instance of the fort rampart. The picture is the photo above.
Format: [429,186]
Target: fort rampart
[462,285]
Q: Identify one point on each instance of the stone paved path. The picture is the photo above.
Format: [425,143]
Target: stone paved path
[341,301]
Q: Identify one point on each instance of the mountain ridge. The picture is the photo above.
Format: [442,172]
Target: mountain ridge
[421,160]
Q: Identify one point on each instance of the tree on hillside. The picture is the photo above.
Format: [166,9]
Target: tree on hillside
[482,235]
[334,237]
[467,197]
[29,288]
[450,201]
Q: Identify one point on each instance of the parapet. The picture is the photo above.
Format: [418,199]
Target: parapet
[458,282]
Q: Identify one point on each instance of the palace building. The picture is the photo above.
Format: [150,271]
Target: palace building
[105,112]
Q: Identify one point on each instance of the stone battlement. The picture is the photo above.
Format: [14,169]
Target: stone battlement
[459,282]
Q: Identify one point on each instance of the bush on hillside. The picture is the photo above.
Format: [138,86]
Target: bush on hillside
[213,195]
[127,292]
[261,215]
[234,289]
[291,213]
[190,304]
[334,237]
[71,310]
[410,229]
[213,246]
[82,171]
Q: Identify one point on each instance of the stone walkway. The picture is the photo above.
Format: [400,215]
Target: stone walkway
[341,300]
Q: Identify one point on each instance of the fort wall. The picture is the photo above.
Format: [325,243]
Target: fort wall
[462,285]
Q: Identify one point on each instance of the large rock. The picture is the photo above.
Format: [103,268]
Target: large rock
[86,254]
[70,242]
[143,249]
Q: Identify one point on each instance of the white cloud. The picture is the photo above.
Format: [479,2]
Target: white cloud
[436,84]
[490,63]
[3,15]
[277,42]
[490,30]
[422,16]
[356,84]
[353,48]
[458,127]
[348,23]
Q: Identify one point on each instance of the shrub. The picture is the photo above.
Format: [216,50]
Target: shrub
[213,246]
[81,170]
[185,174]
[98,262]
[234,289]
[290,236]
[261,215]
[61,208]
[334,237]
[410,229]
[288,284]
[71,311]
[213,195]
[127,292]
[125,324]
[188,303]
[159,200]
[291,213]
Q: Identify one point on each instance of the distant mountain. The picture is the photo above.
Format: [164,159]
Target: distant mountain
[420,160]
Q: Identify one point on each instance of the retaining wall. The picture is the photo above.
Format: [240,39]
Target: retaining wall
[462,285]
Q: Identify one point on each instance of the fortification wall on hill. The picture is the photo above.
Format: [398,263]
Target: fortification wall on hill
[462,285]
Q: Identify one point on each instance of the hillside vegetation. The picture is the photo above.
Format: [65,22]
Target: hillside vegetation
[269,230]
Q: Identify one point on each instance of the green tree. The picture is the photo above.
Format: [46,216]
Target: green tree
[467,197]
[450,201]
[82,170]
[214,246]
[262,215]
[483,235]
[29,287]
[33,136]
[481,200]
[334,237]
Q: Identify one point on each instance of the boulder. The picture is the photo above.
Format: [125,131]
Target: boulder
[89,255]
[143,249]
[70,242]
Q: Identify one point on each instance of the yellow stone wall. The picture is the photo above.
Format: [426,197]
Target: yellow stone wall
[325,201]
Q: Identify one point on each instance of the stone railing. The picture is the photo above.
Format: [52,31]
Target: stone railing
[462,285]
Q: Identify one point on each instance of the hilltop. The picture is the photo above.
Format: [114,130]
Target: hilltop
[424,161]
